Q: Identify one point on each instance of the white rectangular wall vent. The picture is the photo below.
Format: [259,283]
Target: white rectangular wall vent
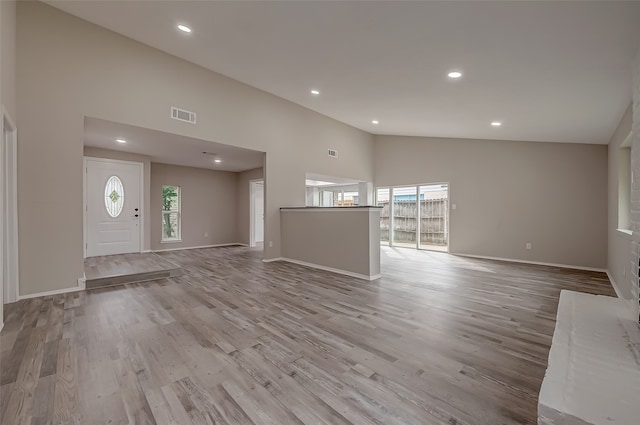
[183,115]
[333,153]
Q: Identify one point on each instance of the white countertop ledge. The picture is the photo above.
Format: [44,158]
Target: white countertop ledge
[593,376]
[330,209]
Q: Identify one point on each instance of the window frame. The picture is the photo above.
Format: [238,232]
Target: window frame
[177,212]
[624,186]
[419,245]
[115,183]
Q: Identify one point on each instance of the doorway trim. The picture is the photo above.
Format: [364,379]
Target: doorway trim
[85,230]
[252,212]
[10,207]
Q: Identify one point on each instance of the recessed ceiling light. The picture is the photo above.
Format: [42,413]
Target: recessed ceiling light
[121,141]
[455,74]
[217,160]
[375,122]
[496,123]
[315,92]
[184,28]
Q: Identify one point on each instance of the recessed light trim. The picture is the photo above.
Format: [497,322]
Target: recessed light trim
[314,92]
[375,122]
[496,123]
[184,28]
[121,141]
[455,74]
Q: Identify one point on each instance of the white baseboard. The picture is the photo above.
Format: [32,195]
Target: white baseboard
[82,285]
[539,263]
[630,303]
[614,284]
[271,260]
[325,268]
[82,282]
[199,247]
[48,293]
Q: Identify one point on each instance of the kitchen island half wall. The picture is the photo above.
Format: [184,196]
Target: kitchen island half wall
[343,240]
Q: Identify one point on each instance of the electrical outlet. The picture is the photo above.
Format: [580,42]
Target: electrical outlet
[528,246]
[270,244]
[206,234]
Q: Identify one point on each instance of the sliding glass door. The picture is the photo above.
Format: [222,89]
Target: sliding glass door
[382,200]
[415,216]
[434,217]
[405,216]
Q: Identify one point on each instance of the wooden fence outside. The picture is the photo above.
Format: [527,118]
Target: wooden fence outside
[433,221]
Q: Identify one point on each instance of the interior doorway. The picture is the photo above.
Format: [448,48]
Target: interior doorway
[9,210]
[415,216]
[256,191]
[113,203]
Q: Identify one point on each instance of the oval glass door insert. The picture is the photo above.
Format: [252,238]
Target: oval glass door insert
[114,196]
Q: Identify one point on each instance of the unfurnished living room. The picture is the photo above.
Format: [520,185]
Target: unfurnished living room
[320,212]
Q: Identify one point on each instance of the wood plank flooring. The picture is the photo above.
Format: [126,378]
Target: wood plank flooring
[108,270]
[438,340]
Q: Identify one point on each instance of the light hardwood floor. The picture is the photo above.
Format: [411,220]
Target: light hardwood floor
[125,264]
[438,340]
[109,270]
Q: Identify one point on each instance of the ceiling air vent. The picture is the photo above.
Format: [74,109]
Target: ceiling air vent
[333,153]
[183,115]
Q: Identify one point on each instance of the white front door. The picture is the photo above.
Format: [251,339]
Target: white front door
[113,206]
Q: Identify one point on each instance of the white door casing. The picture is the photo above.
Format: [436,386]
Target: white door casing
[2,220]
[257,211]
[9,210]
[113,216]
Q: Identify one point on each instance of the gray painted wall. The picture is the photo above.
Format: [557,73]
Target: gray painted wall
[508,193]
[8,54]
[206,211]
[68,68]
[208,205]
[346,239]
[619,243]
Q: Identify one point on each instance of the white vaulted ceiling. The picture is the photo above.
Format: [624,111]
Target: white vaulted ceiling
[549,71]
